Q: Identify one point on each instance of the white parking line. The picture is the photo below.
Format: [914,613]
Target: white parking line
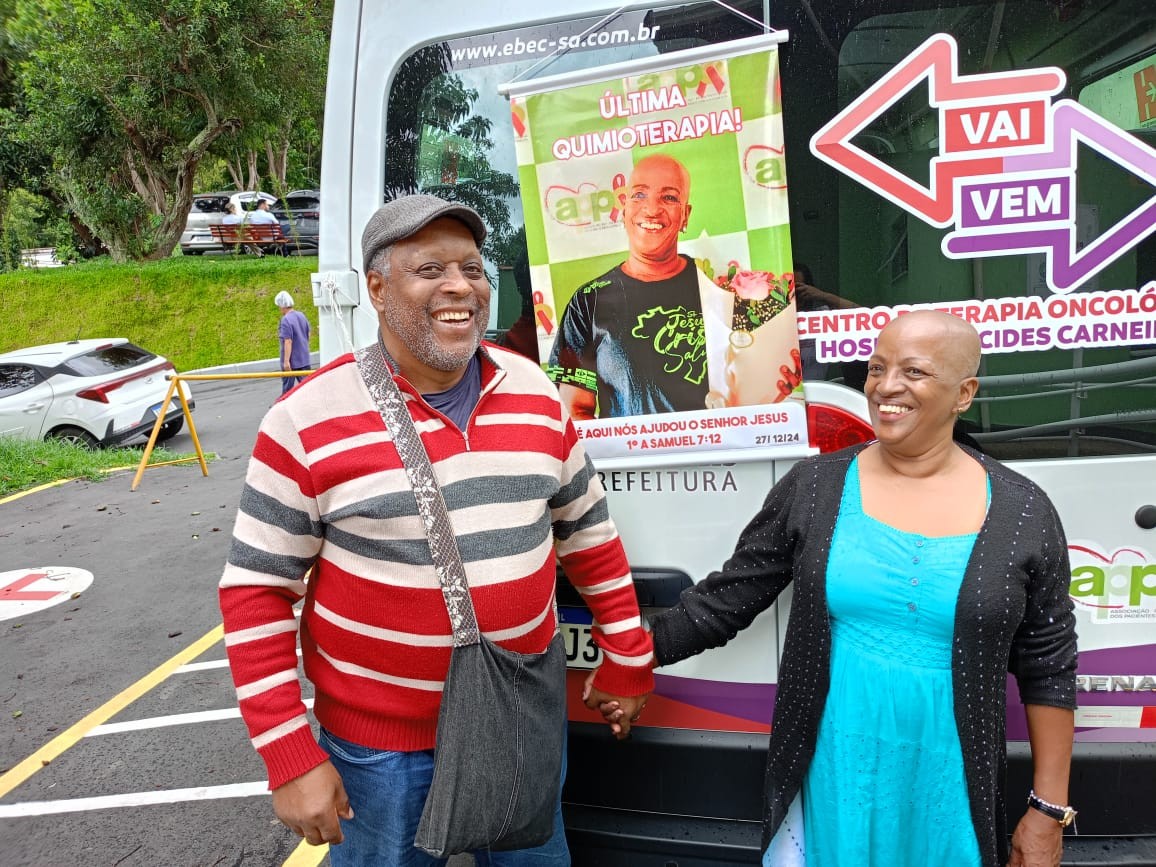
[176,719]
[133,799]
[211,664]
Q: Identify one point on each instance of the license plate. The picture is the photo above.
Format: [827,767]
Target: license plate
[156,410]
[578,639]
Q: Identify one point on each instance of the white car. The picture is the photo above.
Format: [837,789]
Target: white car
[99,392]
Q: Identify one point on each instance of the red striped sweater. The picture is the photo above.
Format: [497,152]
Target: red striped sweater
[326,489]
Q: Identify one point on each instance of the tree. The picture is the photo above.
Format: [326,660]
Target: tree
[453,159]
[126,97]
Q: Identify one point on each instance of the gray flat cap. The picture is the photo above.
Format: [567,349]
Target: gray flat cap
[404,216]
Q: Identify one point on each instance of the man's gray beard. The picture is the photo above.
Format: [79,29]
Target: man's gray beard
[418,338]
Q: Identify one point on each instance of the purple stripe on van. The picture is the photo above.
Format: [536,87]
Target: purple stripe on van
[753,701]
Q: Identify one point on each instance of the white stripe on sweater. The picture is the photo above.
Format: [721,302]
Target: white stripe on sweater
[236,576]
[368,673]
[413,639]
[265,684]
[606,586]
[620,625]
[520,418]
[497,570]
[274,539]
[255,633]
[369,438]
[420,639]
[278,732]
[629,661]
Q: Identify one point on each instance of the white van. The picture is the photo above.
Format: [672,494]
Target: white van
[1068,396]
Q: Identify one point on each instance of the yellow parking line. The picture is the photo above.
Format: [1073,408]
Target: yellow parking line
[37,489]
[306,856]
[106,711]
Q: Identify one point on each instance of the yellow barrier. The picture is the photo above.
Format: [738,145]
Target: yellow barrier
[175,381]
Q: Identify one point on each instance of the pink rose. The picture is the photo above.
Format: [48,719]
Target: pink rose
[751,285]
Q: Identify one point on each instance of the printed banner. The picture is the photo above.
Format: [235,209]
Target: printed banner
[660,254]
[1083,320]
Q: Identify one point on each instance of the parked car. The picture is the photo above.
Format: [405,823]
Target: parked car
[300,216]
[209,209]
[99,392]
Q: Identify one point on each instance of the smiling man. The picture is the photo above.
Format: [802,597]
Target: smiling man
[327,495]
[632,342]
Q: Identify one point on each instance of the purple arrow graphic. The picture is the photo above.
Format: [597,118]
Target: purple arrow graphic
[1068,267]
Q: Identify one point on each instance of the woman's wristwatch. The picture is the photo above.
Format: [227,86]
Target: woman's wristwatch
[1064,815]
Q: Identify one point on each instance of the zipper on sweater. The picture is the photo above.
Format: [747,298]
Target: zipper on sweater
[499,375]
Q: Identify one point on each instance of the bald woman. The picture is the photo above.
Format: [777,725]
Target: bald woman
[923,573]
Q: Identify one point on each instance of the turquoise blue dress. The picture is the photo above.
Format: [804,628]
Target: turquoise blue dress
[886,786]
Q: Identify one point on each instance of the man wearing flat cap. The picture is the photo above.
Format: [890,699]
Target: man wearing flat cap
[327,496]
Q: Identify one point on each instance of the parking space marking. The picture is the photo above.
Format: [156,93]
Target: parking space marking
[176,719]
[216,663]
[133,799]
[68,738]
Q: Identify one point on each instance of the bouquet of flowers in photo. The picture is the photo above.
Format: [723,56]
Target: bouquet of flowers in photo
[759,297]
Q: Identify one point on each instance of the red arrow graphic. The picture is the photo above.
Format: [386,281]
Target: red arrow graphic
[15,591]
[936,60]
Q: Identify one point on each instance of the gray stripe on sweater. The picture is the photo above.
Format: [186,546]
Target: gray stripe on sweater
[474,547]
[466,494]
[246,556]
[596,514]
[269,510]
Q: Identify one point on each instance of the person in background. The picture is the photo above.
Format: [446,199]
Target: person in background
[232,215]
[293,332]
[923,572]
[261,214]
[327,496]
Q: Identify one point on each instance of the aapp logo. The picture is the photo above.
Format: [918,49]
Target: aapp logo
[1005,176]
[1120,586]
[766,166]
[700,80]
[587,205]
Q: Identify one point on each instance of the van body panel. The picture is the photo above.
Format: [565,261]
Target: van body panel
[1079,422]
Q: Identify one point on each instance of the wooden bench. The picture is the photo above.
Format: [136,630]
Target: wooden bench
[255,236]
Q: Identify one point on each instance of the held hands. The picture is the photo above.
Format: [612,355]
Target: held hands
[310,805]
[1037,842]
[619,711]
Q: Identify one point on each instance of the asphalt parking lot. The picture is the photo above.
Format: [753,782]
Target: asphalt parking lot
[120,742]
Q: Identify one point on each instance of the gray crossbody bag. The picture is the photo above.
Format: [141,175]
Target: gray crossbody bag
[502,722]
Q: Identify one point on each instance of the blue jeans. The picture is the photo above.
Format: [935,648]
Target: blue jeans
[387,792]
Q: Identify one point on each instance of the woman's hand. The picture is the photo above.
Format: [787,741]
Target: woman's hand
[1038,841]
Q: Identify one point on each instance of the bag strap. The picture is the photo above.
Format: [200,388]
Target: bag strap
[377,373]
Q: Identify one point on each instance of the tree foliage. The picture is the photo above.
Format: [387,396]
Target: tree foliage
[125,98]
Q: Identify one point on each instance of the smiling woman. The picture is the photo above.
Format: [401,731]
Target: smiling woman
[881,542]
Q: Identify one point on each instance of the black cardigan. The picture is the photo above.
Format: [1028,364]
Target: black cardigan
[1013,614]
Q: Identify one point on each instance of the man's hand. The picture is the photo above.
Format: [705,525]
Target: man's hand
[619,711]
[1037,842]
[311,804]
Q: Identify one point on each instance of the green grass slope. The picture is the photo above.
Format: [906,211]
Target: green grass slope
[197,311]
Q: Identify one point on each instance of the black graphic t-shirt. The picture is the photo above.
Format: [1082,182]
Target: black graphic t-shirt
[639,346]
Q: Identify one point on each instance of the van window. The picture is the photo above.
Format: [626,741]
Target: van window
[1052,403]
[448,130]
[449,133]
